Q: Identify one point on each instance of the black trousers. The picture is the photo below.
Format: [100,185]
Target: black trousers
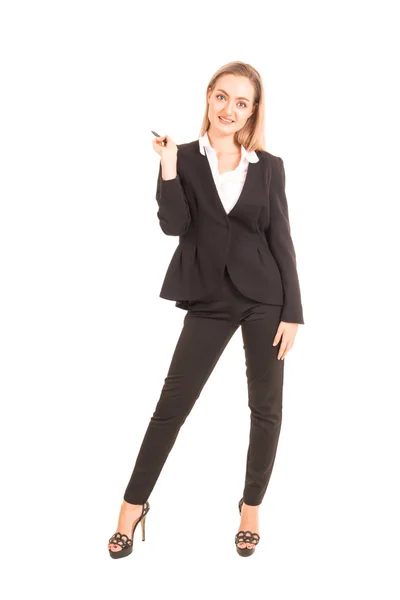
[208,326]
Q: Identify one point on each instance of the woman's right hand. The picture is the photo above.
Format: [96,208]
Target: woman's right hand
[168,152]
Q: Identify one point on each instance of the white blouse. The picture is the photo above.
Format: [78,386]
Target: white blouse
[229,184]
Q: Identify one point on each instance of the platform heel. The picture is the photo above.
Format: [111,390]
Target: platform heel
[124,541]
[247,537]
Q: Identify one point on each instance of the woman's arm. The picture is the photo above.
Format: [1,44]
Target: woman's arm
[173,213]
[280,242]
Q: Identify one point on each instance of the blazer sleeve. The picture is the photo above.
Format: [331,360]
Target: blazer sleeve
[173,207]
[279,238]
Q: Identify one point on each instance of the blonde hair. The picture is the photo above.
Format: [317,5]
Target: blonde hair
[252,135]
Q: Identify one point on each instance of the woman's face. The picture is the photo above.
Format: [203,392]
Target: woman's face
[232,97]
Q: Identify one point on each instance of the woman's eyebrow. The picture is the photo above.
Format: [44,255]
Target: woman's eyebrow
[238,98]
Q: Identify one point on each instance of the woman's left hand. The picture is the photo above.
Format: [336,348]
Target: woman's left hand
[286,331]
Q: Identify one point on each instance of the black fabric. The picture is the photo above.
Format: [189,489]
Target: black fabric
[253,240]
[208,326]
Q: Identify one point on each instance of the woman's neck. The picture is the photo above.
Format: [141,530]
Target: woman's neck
[223,144]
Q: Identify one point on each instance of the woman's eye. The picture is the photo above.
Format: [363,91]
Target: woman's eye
[222,96]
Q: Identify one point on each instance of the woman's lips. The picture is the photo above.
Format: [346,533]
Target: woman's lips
[225,122]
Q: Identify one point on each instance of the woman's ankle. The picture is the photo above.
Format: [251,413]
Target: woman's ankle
[129,505]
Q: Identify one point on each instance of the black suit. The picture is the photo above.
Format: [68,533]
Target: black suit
[229,271]
[253,240]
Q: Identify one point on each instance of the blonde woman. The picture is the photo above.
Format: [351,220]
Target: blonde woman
[223,194]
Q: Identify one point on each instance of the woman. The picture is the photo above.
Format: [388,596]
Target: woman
[235,265]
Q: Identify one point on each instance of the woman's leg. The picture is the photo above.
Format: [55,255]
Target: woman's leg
[200,345]
[265,385]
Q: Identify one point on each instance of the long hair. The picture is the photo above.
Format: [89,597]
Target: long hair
[252,135]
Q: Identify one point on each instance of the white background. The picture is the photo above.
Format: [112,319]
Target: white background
[86,341]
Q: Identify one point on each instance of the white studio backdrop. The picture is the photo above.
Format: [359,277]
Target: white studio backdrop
[86,341]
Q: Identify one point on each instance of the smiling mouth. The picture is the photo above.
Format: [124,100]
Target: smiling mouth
[226,122]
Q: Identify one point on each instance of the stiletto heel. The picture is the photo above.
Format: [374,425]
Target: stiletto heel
[143,528]
[123,540]
[247,537]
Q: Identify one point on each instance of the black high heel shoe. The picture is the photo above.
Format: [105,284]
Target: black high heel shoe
[123,540]
[247,537]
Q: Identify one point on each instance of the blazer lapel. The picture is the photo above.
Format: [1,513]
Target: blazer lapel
[206,175]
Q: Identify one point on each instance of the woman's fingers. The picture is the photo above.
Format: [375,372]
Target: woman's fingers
[168,148]
[284,349]
[286,333]
[158,143]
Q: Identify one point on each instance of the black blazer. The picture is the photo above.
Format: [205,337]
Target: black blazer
[253,240]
